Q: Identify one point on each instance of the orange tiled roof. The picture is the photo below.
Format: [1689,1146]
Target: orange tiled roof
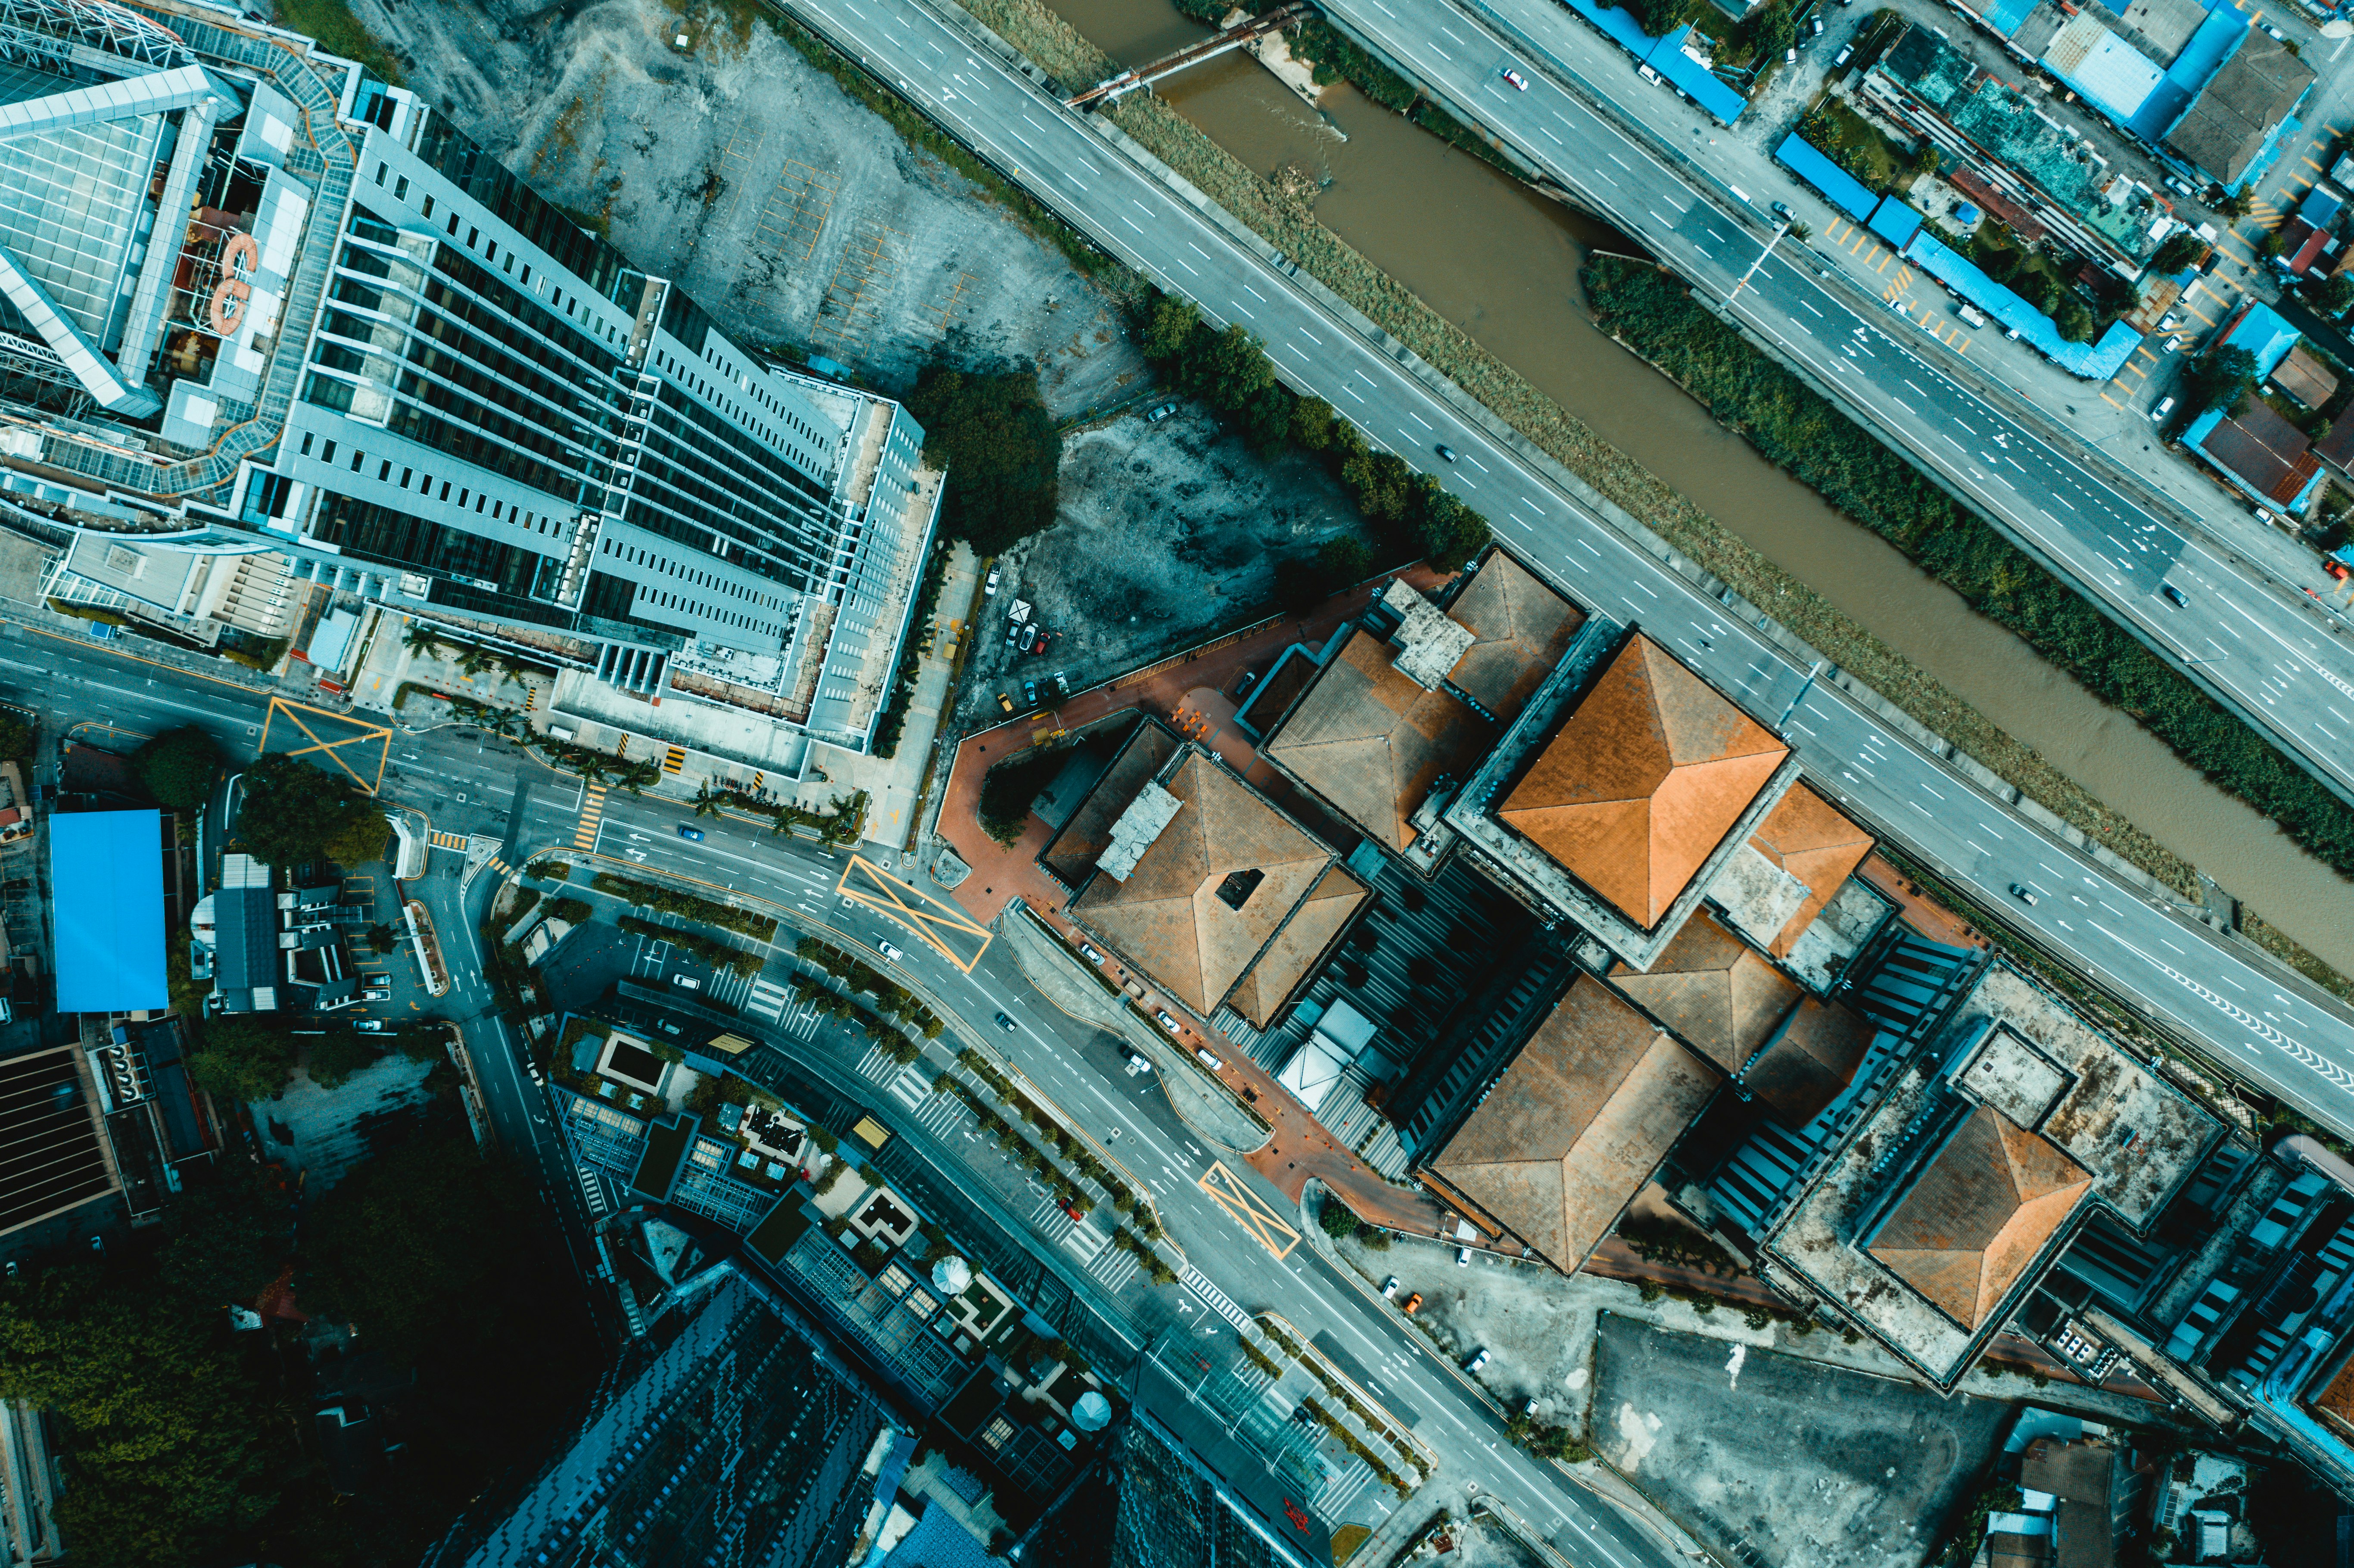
[1807,836]
[1976,1217]
[1708,987]
[1643,780]
[1578,1124]
[1371,742]
[1170,919]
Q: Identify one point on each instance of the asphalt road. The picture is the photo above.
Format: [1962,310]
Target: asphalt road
[2276,1031]
[2259,650]
[469,783]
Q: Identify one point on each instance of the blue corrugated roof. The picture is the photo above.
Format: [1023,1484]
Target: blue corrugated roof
[1844,189]
[2322,205]
[106,873]
[1668,59]
[2095,362]
[1616,24]
[1895,222]
[2264,334]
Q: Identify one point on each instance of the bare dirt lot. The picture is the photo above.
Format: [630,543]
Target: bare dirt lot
[791,213]
[1168,532]
[1780,1460]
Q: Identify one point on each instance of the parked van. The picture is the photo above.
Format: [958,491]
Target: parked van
[2164,407]
[1970,313]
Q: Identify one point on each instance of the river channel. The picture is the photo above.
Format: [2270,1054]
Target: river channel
[1501,262]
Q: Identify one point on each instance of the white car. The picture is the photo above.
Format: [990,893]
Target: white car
[1138,1064]
[1168,1023]
[1389,1287]
[1477,1362]
[686,983]
[1516,79]
[991,585]
[888,951]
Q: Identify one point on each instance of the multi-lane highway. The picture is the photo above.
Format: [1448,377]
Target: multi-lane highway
[2276,1031]
[2259,650]
[471,782]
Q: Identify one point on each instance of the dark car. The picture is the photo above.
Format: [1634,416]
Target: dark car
[2173,595]
[1447,453]
[1040,644]
[1006,1023]
[686,832]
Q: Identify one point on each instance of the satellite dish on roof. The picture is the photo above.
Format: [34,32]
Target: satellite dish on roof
[951,1275]
[1092,1413]
[2337,27]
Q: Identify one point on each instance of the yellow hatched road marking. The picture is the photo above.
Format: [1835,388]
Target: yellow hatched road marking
[1248,1209]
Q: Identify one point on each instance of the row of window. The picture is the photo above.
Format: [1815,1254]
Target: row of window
[497,511]
[680,369]
[638,556]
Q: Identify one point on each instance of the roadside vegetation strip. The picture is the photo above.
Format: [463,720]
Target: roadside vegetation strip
[1291,227]
[718,954]
[1800,431]
[685,905]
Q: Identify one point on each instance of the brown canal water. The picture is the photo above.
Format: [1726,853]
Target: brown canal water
[1501,262]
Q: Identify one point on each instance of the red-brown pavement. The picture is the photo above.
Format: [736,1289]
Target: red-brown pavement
[1191,694]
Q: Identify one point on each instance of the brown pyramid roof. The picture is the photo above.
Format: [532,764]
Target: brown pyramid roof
[1073,851]
[1642,781]
[1807,836]
[1260,994]
[1976,1215]
[1810,1061]
[1168,917]
[1578,1124]
[1712,990]
[1520,628]
[1370,741]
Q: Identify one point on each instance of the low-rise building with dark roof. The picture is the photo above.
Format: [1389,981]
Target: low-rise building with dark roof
[54,1155]
[2229,126]
[1519,629]
[2258,452]
[1941,1208]
[1556,1148]
[1200,882]
[1811,1058]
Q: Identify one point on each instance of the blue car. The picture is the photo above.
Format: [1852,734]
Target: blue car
[686,832]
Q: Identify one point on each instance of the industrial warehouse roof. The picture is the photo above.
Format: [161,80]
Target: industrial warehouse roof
[1975,1218]
[1210,893]
[1519,629]
[1642,781]
[106,871]
[1807,836]
[1370,740]
[1576,1125]
[2226,128]
[1720,998]
[51,1158]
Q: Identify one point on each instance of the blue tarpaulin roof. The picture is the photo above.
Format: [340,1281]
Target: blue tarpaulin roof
[1666,57]
[2264,334]
[2095,361]
[1844,189]
[1895,222]
[106,873]
[1616,24]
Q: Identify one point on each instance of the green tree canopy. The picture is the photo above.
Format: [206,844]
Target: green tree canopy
[2181,250]
[1771,29]
[169,1448]
[2336,296]
[2073,318]
[242,1059]
[178,766]
[335,1055]
[227,1239]
[2220,377]
[292,813]
[991,430]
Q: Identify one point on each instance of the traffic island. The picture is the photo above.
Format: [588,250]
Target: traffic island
[427,945]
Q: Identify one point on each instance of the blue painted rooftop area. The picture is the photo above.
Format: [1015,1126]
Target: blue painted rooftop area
[2092,360]
[2261,331]
[2005,16]
[1666,58]
[1846,192]
[1895,222]
[106,873]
